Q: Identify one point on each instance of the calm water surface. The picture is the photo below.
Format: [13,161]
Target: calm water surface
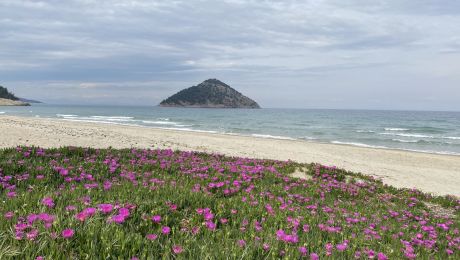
[433,132]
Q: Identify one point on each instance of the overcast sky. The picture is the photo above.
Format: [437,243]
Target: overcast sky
[379,54]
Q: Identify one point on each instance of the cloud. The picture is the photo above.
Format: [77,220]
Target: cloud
[121,44]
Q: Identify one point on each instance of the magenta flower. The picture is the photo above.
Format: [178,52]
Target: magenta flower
[242,243]
[165,230]
[119,219]
[382,256]
[177,249]
[32,235]
[329,248]
[303,250]
[195,230]
[67,233]
[70,208]
[151,236]
[123,212]
[280,235]
[208,216]
[314,256]
[210,225]
[342,247]
[266,247]
[89,211]
[156,219]
[105,208]
[81,216]
[9,215]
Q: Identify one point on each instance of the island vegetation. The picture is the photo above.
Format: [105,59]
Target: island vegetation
[9,99]
[211,93]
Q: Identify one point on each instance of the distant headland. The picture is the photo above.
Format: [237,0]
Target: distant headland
[211,93]
[9,99]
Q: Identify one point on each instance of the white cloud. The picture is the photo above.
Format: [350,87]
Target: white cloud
[250,42]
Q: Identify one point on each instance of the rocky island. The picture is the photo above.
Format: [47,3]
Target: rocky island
[211,93]
[9,99]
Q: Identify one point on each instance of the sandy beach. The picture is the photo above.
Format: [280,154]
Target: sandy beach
[437,174]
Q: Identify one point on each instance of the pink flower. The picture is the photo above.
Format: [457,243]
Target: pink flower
[64,172]
[314,256]
[9,215]
[177,249]
[210,225]
[123,212]
[156,219]
[70,208]
[266,247]
[151,236]
[303,250]
[67,233]
[119,219]
[39,258]
[195,230]
[370,254]
[329,248]
[81,216]
[208,216]
[342,247]
[32,235]
[280,235]
[165,230]
[89,211]
[242,243]
[382,256]
[105,208]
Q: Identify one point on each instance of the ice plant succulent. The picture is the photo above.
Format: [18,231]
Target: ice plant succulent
[151,204]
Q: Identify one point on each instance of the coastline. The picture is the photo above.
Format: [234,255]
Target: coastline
[433,173]
[9,102]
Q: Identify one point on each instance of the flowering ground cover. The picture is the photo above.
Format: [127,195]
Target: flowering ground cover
[76,203]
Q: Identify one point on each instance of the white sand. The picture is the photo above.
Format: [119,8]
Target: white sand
[438,174]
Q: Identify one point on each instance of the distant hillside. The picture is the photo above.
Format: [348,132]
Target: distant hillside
[211,93]
[10,102]
[4,93]
[9,99]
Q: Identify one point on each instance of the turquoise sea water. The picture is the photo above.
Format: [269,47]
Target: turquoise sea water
[433,132]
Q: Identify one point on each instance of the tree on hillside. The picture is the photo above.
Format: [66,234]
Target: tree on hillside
[4,93]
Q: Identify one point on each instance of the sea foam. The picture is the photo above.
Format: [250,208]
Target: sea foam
[359,144]
[395,129]
[273,137]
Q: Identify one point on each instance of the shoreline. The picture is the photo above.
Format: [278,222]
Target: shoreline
[434,173]
[262,136]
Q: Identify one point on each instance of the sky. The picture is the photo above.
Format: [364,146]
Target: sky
[340,54]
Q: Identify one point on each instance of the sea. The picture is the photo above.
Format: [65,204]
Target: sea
[419,131]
